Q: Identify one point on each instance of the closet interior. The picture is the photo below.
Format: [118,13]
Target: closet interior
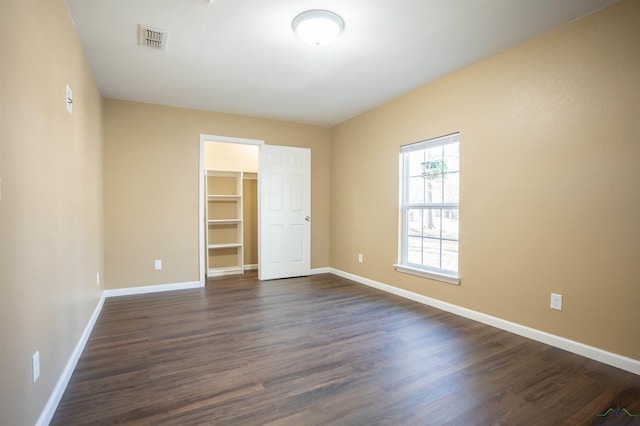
[231,208]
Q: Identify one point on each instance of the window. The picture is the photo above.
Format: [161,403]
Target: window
[429,203]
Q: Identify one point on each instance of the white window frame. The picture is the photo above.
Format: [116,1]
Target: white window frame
[452,277]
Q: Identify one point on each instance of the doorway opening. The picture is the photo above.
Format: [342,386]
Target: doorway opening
[228,225]
[280,214]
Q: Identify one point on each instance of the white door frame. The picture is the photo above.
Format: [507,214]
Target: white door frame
[213,138]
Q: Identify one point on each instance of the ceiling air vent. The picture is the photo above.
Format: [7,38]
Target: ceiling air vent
[152,37]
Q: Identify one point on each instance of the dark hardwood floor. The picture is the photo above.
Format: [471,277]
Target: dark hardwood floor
[323,350]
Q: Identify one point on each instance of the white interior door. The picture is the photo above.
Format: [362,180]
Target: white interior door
[285,212]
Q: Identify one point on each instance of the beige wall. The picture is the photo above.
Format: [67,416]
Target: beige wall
[550,153]
[231,156]
[51,206]
[550,156]
[151,186]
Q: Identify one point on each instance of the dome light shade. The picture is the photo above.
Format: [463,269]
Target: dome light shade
[317,27]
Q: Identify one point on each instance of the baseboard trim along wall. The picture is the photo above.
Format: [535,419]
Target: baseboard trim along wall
[52,404]
[151,289]
[587,351]
[610,358]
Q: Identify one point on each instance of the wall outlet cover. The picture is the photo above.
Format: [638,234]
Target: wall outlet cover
[556,301]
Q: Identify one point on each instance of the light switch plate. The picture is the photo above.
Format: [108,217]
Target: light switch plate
[69,100]
[35,364]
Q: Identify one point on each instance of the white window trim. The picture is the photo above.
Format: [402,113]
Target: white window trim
[453,278]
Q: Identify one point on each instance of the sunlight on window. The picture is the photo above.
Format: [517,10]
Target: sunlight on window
[430,204]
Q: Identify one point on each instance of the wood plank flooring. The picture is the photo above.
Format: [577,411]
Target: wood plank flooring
[323,350]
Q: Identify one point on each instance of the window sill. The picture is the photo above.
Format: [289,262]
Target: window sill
[451,279]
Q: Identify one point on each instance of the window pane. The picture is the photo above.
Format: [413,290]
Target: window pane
[433,154]
[433,189]
[450,255]
[432,223]
[414,253]
[416,190]
[452,157]
[431,177]
[451,187]
[431,253]
[450,224]
[414,222]
[416,159]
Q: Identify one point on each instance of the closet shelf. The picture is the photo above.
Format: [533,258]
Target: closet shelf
[223,197]
[225,270]
[224,221]
[223,245]
[223,212]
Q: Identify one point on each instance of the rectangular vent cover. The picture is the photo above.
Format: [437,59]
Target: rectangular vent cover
[152,37]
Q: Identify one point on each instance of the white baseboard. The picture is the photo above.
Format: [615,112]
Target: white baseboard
[610,358]
[619,361]
[52,404]
[250,267]
[129,291]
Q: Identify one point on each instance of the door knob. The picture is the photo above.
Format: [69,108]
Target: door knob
[307,218]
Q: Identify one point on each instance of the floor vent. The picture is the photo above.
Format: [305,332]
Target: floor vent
[152,37]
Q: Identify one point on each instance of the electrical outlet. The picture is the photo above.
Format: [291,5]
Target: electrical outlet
[158,264]
[35,364]
[360,258]
[556,301]
[98,278]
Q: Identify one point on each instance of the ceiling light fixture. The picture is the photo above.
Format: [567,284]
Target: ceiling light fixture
[317,27]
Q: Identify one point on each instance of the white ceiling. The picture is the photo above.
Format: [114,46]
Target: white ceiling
[241,56]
